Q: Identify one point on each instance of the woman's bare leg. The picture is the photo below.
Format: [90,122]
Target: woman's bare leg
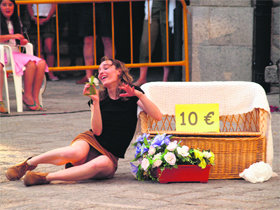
[165,73]
[48,49]
[77,152]
[38,79]
[143,76]
[108,48]
[100,167]
[1,82]
[29,75]
[88,54]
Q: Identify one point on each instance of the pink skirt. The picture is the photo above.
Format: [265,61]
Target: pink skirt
[21,59]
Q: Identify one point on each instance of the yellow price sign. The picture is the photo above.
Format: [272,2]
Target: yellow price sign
[197,117]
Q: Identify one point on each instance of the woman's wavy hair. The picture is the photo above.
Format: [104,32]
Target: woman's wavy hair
[125,77]
[15,21]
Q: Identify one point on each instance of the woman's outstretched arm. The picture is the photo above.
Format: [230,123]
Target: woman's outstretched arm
[144,102]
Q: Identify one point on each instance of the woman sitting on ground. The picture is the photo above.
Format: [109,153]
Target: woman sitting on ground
[95,153]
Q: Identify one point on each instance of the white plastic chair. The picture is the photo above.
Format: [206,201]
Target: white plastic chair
[6,49]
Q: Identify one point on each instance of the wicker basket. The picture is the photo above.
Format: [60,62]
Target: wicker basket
[240,142]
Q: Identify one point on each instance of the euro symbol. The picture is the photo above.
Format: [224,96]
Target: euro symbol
[208,118]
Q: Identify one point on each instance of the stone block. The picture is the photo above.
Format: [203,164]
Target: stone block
[200,25]
[219,3]
[276,20]
[231,26]
[222,63]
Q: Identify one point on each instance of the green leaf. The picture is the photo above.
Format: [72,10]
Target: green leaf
[91,80]
[146,141]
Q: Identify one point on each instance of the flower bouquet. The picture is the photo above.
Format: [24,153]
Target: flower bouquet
[157,154]
[93,83]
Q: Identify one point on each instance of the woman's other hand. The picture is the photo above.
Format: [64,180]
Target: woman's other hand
[129,91]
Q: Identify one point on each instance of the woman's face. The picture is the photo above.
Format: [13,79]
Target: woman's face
[108,74]
[7,8]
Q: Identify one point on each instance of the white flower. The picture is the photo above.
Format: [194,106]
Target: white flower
[172,146]
[157,163]
[152,150]
[157,156]
[145,164]
[170,158]
[184,150]
[96,82]
[207,154]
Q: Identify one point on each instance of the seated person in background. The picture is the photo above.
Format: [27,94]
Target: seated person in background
[32,67]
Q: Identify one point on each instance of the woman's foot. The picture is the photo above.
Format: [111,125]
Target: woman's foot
[35,178]
[31,107]
[3,108]
[84,80]
[52,77]
[17,171]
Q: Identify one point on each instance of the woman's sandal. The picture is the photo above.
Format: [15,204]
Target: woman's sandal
[40,108]
[32,107]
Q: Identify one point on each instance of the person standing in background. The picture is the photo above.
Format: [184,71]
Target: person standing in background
[157,27]
[103,29]
[47,31]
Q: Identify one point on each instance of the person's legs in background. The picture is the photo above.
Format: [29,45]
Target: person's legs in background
[144,48]
[85,31]
[88,55]
[49,56]
[103,30]
[2,105]
[108,48]
[33,78]
[164,50]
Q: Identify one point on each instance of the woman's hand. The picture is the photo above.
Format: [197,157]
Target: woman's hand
[130,91]
[23,41]
[21,38]
[95,97]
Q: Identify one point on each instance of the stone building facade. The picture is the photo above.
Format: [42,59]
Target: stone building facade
[221,34]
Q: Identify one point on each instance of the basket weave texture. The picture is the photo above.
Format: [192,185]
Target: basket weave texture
[240,142]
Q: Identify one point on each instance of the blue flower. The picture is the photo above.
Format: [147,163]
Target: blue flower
[159,140]
[138,150]
[134,169]
[140,139]
[144,149]
[167,139]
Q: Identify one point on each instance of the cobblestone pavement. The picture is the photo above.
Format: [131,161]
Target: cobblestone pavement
[30,133]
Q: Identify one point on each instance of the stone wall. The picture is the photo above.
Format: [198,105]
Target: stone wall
[275,31]
[221,39]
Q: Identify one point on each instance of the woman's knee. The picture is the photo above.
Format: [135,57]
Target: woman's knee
[77,151]
[31,65]
[41,65]
[103,165]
